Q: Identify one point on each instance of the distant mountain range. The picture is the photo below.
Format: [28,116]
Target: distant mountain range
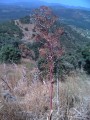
[77,16]
[23,3]
[36,3]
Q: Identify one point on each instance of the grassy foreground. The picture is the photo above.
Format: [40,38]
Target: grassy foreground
[27,98]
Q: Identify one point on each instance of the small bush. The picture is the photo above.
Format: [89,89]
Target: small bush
[10,54]
[86,56]
[25,20]
[26,29]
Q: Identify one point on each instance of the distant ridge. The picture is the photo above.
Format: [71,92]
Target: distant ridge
[34,3]
[23,3]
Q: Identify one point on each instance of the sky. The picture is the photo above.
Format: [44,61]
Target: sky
[81,3]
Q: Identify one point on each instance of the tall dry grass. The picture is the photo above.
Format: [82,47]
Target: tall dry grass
[28,100]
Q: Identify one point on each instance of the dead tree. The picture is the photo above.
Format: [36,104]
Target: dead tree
[44,21]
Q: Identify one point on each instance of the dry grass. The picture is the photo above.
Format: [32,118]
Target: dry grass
[29,96]
[75,97]
[30,101]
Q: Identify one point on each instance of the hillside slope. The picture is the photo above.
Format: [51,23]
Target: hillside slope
[70,40]
[32,102]
[76,17]
[25,88]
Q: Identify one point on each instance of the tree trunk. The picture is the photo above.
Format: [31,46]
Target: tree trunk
[58,100]
[51,90]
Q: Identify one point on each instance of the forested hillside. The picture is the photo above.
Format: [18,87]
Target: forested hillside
[44,64]
[22,30]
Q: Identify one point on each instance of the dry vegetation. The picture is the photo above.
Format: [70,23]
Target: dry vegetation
[28,99]
[27,33]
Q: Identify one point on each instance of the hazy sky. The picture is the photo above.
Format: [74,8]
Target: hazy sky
[82,3]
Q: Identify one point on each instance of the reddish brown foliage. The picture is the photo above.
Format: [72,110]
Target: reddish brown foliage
[25,51]
[44,21]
